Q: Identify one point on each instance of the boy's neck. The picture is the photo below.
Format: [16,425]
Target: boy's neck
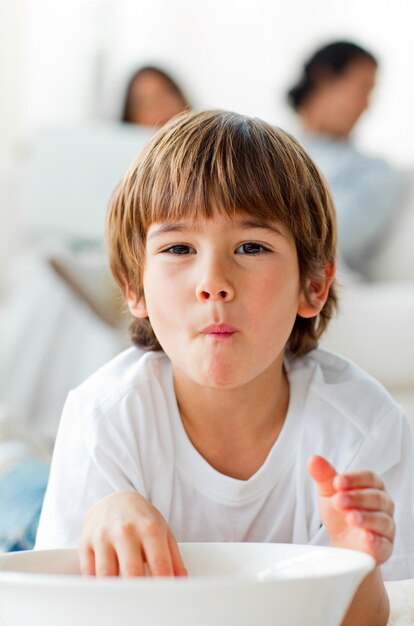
[234,429]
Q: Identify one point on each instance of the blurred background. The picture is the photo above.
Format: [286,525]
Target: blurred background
[64,70]
[68,62]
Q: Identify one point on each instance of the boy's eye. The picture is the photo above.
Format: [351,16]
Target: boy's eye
[251,247]
[179,248]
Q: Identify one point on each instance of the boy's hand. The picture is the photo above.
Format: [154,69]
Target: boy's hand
[121,533]
[355,509]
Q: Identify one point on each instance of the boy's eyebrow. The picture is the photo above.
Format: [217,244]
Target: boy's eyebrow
[263,224]
[169,227]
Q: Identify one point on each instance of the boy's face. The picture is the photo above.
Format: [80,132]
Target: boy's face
[222,296]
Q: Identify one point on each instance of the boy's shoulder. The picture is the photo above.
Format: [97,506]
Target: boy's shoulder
[342,387]
[346,415]
[332,367]
[130,371]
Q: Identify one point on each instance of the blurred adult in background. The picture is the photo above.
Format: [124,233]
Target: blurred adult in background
[152,98]
[331,95]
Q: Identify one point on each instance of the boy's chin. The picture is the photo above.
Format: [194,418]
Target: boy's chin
[224,377]
[223,370]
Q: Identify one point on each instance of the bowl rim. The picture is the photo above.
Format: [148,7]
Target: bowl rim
[363,565]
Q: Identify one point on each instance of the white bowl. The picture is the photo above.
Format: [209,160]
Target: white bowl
[229,584]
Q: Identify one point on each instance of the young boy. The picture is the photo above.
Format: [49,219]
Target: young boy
[233,425]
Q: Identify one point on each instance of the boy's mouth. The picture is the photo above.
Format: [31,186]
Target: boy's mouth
[219,331]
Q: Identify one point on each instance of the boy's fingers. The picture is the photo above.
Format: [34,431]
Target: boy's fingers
[379,547]
[367,499]
[158,556]
[177,562]
[323,473]
[130,556]
[86,561]
[379,523]
[358,479]
[106,562]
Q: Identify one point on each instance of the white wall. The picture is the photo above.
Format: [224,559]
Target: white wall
[243,55]
[236,54]
[12,73]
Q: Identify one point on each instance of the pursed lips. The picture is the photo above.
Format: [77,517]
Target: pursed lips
[219,331]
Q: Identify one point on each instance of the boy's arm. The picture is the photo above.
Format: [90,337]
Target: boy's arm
[370,606]
[85,468]
[357,513]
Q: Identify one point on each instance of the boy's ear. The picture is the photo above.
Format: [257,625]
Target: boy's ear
[136,305]
[318,291]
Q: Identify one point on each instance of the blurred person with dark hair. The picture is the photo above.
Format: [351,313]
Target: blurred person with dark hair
[330,97]
[152,98]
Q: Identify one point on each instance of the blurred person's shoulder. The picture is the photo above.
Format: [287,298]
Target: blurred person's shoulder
[341,156]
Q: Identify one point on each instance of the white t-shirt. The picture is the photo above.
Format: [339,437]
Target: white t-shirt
[121,430]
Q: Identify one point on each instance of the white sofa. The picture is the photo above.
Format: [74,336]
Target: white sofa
[375,323]
[59,314]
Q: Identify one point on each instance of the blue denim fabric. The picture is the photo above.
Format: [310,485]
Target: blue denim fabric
[21,496]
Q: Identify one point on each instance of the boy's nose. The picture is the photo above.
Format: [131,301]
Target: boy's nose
[215,278]
[210,295]
[215,287]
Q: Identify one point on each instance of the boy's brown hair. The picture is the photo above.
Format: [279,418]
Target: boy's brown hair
[201,163]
